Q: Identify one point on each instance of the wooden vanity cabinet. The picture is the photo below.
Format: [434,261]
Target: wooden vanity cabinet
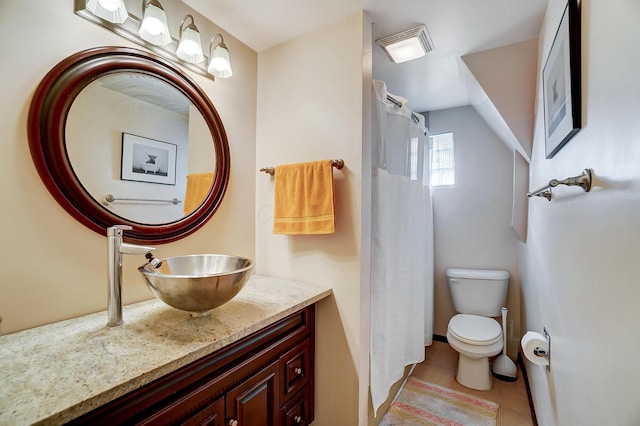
[264,379]
[211,415]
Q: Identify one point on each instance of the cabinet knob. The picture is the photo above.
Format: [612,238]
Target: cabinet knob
[298,419]
[298,371]
[233,422]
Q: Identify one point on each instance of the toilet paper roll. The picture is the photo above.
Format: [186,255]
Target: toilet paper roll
[532,340]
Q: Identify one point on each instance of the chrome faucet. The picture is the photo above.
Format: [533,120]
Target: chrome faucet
[116,248]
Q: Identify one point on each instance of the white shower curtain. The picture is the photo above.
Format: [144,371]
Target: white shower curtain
[402,243]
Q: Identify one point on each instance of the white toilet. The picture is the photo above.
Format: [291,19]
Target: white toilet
[477,295]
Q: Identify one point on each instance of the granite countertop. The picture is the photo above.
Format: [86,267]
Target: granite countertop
[54,373]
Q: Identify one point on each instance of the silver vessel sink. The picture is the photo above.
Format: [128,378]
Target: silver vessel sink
[198,283]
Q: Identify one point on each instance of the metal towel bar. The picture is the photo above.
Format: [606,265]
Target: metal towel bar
[110,199]
[338,164]
[583,180]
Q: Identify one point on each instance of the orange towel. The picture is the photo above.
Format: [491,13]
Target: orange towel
[304,199]
[198,187]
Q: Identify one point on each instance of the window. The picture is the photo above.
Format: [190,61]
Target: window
[443,172]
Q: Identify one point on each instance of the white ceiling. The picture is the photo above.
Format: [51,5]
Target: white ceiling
[436,81]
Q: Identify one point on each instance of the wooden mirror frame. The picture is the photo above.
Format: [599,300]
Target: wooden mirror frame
[46,132]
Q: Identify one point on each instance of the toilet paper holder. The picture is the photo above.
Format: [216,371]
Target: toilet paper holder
[541,352]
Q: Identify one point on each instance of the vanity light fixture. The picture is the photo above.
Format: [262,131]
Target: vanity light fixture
[154,27]
[219,65]
[110,10]
[152,33]
[189,46]
[407,45]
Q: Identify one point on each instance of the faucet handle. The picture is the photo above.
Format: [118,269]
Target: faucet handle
[155,263]
[117,229]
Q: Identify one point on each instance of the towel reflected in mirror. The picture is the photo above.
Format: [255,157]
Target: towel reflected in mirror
[198,187]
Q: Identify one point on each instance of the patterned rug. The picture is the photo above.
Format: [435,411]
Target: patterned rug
[421,403]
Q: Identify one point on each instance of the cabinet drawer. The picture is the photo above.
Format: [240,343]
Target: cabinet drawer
[297,412]
[295,370]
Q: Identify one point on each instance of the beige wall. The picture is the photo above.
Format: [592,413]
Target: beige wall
[580,262]
[310,103]
[52,266]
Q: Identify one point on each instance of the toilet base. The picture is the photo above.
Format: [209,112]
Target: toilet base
[474,373]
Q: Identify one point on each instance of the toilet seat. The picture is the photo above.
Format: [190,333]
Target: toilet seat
[475,330]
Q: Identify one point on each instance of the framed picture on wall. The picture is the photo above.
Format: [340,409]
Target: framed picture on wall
[148,160]
[561,91]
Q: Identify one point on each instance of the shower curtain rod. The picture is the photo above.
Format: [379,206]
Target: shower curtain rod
[397,103]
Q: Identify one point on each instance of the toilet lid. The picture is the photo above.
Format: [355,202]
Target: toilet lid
[474,329]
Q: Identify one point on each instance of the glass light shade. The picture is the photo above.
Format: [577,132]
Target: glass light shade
[190,47]
[220,65]
[110,10]
[406,50]
[154,27]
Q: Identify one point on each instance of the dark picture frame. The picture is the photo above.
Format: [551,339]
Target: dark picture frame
[561,83]
[148,160]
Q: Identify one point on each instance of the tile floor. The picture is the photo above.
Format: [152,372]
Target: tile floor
[440,366]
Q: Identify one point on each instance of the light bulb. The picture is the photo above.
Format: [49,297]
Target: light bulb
[219,64]
[153,26]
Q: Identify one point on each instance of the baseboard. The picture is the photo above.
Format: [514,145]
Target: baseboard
[439,338]
[526,385]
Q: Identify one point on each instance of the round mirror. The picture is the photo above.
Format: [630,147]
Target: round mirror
[120,136]
[132,141]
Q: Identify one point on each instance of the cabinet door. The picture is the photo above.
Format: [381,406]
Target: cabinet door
[212,415]
[297,412]
[255,401]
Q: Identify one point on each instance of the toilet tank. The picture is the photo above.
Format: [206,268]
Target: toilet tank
[478,291]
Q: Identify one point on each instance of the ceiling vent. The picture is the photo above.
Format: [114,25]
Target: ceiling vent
[407,45]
